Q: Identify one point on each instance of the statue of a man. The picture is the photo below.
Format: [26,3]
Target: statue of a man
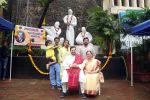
[54,31]
[82,35]
[71,21]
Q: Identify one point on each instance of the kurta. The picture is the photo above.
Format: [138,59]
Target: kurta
[63,53]
[66,63]
[84,49]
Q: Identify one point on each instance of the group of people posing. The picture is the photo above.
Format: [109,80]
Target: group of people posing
[69,69]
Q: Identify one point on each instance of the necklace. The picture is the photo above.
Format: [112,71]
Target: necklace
[83,34]
[56,29]
[69,22]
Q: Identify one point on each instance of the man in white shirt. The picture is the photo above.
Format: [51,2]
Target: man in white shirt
[72,64]
[87,46]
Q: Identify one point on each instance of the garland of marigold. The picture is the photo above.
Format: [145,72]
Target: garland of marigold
[41,72]
[106,62]
[44,73]
[110,56]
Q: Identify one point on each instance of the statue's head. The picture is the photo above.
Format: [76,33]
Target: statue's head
[83,29]
[57,24]
[70,12]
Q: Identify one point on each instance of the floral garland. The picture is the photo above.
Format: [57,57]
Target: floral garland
[108,59]
[41,72]
[106,62]
[69,22]
[44,73]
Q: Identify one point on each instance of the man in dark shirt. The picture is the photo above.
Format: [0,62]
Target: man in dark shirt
[54,69]
[4,52]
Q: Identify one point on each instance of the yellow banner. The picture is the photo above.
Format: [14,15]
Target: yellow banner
[24,34]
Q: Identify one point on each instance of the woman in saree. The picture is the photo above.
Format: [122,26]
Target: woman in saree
[92,74]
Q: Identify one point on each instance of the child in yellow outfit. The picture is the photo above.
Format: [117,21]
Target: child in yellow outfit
[50,51]
[50,55]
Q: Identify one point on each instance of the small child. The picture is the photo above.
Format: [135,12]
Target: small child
[50,55]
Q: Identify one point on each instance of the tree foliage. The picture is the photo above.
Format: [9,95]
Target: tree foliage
[134,17]
[3,4]
[43,2]
[104,27]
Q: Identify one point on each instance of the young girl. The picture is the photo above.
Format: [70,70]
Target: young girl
[50,55]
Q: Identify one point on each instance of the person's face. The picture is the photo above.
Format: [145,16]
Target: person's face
[50,42]
[66,43]
[86,42]
[73,51]
[89,55]
[56,41]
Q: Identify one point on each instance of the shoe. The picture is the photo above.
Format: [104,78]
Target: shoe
[59,88]
[83,96]
[53,87]
[62,95]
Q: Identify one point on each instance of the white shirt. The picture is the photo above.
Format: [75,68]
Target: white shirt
[84,49]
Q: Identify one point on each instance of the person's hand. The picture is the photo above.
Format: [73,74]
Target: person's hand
[74,65]
[47,66]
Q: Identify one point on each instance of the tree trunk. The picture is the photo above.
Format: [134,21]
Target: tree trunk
[9,9]
[44,13]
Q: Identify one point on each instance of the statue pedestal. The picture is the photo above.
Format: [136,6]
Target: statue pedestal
[96,48]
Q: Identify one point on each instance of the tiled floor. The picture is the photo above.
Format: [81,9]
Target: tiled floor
[34,89]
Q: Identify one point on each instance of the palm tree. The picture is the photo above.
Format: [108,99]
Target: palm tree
[105,27]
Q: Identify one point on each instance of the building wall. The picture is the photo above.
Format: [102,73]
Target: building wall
[114,6]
